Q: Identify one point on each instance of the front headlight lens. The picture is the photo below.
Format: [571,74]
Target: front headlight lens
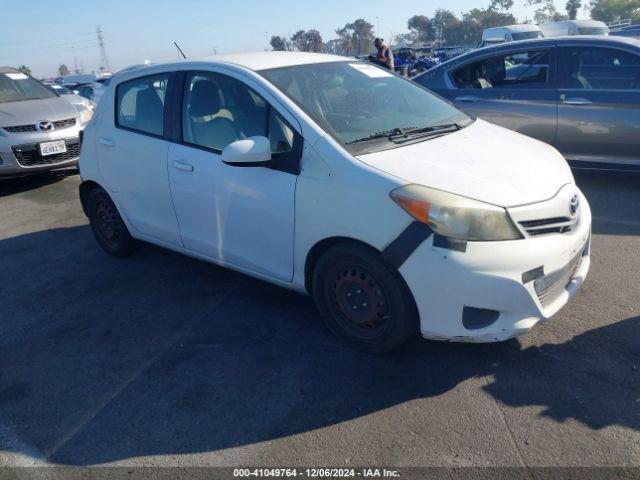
[85,115]
[455,216]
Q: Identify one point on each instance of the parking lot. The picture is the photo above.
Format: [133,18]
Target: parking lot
[159,359]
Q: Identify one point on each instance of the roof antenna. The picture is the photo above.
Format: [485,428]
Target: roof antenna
[180,50]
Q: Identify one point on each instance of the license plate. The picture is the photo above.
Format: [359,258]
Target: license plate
[51,148]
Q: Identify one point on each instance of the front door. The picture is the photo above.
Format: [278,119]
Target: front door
[599,107]
[515,90]
[243,216]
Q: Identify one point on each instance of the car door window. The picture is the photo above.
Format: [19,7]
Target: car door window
[591,68]
[529,69]
[140,104]
[218,110]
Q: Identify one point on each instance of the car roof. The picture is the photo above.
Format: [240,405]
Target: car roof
[599,40]
[8,70]
[251,61]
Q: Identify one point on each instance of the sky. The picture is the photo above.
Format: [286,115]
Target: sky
[43,34]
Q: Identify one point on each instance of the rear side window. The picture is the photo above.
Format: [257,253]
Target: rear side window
[140,104]
[528,69]
[600,69]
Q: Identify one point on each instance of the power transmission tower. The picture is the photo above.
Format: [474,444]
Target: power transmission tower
[104,60]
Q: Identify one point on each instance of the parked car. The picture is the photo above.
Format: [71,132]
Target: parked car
[99,90]
[579,94]
[337,178]
[574,27]
[510,33]
[73,98]
[39,130]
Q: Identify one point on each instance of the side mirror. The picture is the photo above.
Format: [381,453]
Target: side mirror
[250,152]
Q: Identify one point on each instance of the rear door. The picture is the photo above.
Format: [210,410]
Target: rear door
[132,148]
[599,106]
[514,89]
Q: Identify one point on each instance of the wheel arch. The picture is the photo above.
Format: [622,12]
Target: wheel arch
[84,189]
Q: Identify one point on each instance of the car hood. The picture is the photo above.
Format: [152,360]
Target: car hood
[31,111]
[482,161]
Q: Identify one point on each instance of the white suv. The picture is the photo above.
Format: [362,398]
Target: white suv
[336,178]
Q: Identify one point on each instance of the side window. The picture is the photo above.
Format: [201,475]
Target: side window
[140,104]
[528,69]
[600,68]
[218,110]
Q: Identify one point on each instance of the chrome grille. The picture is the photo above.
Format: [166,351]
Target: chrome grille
[66,123]
[548,225]
[29,155]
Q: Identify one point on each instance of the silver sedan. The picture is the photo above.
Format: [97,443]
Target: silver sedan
[579,94]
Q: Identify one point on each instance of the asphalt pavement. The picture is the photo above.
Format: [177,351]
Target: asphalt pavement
[159,359]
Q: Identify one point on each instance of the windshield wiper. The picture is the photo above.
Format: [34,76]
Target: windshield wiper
[408,133]
[375,136]
[430,130]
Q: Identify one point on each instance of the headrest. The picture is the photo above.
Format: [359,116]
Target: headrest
[205,99]
[148,105]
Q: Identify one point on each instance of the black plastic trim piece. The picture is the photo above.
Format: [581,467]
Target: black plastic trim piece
[450,243]
[612,166]
[477,318]
[532,275]
[399,250]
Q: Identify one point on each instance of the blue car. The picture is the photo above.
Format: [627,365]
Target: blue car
[579,94]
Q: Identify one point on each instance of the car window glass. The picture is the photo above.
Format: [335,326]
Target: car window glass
[280,134]
[601,69]
[140,104]
[528,69]
[218,110]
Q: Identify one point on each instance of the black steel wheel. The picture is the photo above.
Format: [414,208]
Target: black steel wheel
[107,225]
[362,300]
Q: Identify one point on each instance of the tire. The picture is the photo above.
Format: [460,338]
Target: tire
[363,301]
[107,225]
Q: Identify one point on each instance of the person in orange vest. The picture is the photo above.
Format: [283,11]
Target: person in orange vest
[384,55]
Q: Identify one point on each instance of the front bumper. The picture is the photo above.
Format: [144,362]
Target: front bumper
[489,276]
[13,164]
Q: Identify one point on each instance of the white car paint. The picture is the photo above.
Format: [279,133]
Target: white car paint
[265,223]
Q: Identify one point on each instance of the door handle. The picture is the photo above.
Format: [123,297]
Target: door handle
[577,101]
[107,142]
[180,165]
[466,99]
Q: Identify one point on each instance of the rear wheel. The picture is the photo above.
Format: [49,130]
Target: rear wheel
[107,224]
[363,301]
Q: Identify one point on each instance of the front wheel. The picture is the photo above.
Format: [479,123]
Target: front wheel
[107,225]
[363,301]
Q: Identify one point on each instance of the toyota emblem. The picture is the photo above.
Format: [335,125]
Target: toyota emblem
[574,203]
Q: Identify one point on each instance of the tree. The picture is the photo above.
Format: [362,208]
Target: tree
[279,43]
[307,41]
[446,26]
[357,37]
[421,27]
[614,10]
[63,70]
[497,5]
[24,69]
[546,12]
[572,8]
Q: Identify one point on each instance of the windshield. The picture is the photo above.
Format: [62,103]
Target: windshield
[526,35]
[16,86]
[355,100]
[593,31]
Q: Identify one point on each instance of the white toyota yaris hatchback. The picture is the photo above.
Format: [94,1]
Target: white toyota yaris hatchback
[333,177]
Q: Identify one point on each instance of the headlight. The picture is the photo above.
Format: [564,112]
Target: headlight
[85,115]
[456,216]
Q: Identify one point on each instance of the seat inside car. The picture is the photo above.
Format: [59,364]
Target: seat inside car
[209,125]
[149,109]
